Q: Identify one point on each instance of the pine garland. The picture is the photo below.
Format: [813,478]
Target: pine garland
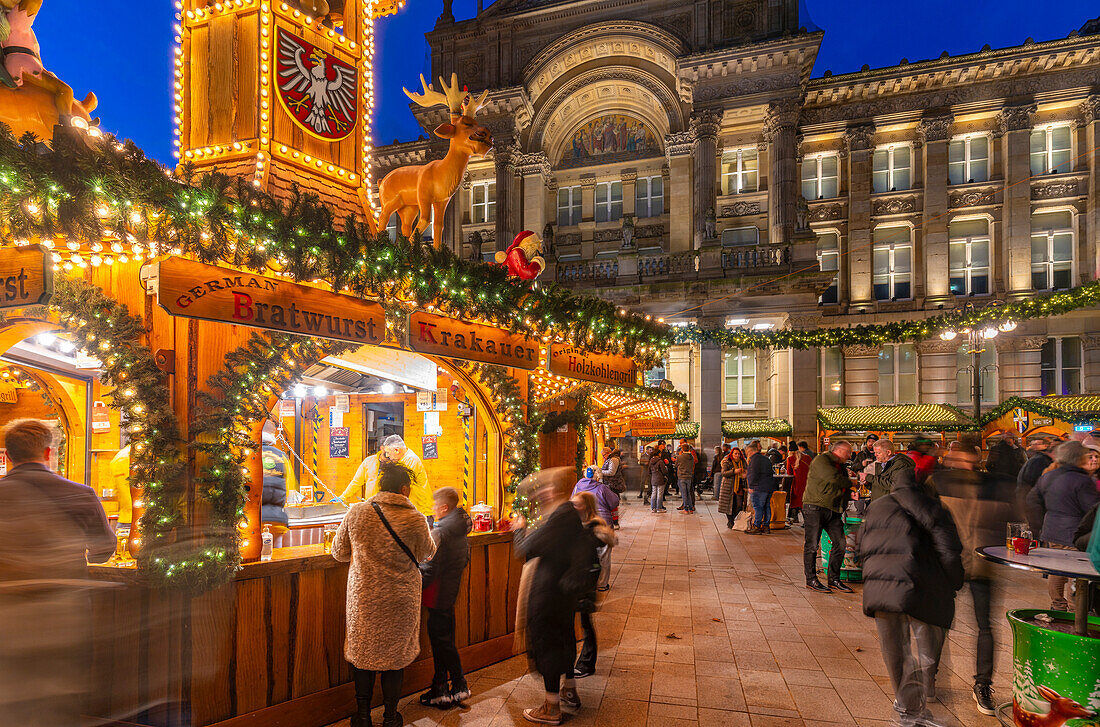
[108,189]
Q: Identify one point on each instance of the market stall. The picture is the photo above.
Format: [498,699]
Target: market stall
[899,423]
[1056,415]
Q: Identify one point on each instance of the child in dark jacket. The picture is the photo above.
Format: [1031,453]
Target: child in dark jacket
[442,576]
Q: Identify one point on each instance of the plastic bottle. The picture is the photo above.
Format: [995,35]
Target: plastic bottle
[268,541]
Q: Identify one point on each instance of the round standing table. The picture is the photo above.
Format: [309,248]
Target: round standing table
[1052,561]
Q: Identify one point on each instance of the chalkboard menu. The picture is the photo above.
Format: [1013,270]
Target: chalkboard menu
[339,442]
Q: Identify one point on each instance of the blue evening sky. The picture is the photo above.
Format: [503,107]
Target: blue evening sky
[123,51]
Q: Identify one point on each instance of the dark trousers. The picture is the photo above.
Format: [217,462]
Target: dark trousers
[441,634]
[364,689]
[816,519]
[981,591]
[587,660]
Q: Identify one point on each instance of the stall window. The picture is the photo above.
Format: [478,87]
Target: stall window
[1061,366]
[609,201]
[1050,149]
[483,202]
[569,206]
[819,176]
[828,257]
[1052,250]
[740,389]
[649,196]
[987,365]
[892,168]
[893,263]
[968,159]
[897,374]
[740,168]
[830,377]
[968,256]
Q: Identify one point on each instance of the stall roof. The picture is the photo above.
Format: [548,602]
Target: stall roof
[744,428]
[612,403]
[895,418]
[687,430]
[1080,409]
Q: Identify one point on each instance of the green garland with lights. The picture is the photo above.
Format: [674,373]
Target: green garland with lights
[82,189]
[1035,406]
[1038,306]
[105,328]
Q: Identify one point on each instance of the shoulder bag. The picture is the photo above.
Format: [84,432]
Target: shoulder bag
[393,534]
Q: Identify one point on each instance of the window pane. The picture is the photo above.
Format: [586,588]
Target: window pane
[731,364]
[979,253]
[828,166]
[956,173]
[657,188]
[1071,382]
[1039,163]
[1038,249]
[956,255]
[979,170]
[887,235]
[902,259]
[1071,352]
[748,363]
[881,264]
[979,283]
[901,157]
[979,148]
[563,197]
[957,285]
[749,161]
[907,389]
[617,191]
[617,210]
[968,228]
[886,389]
[748,389]
[901,179]
[907,359]
[479,194]
[830,261]
[881,181]
[882,160]
[748,183]
[809,189]
[829,187]
[901,289]
[1062,278]
[601,193]
[492,187]
[1038,141]
[1039,278]
[1060,138]
[1063,247]
[809,169]
[827,241]
[886,361]
[956,151]
[1059,161]
[731,390]
[1046,383]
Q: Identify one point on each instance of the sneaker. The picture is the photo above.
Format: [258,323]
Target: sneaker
[983,697]
[840,586]
[661,509]
[437,696]
[680,508]
[604,588]
[544,714]
[816,585]
[570,700]
[580,672]
[764,530]
[460,691]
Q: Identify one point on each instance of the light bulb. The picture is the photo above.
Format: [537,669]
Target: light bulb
[948,335]
[388,388]
[299,392]
[990,333]
[320,391]
[45,339]
[1007,326]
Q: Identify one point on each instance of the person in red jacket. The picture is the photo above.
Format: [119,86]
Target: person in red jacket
[920,450]
[798,465]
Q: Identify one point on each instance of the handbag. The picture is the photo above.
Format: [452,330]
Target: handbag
[743,521]
[393,534]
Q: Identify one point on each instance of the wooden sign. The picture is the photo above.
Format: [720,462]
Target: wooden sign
[430,447]
[444,336]
[8,394]
[652,427]
[339,442]
[26,277]
[194,290]
[576,363]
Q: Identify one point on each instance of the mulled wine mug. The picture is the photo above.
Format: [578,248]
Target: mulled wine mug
[1016,530]
[1023,546]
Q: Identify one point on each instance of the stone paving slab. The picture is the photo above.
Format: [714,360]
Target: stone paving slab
[706,626]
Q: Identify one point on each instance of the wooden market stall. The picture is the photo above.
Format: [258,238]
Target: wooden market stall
[1056,415]
[776,430]
[897,422]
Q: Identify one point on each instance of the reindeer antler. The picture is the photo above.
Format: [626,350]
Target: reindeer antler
[471,104]
[429,98]
[457,100]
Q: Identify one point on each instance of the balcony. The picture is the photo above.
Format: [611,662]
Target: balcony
[603,272]
[757,256]
[680,265]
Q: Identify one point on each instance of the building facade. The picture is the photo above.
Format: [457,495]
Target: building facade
[682,160]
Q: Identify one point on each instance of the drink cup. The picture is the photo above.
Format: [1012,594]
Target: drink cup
[1023,546]
[1016,530]
[330,536]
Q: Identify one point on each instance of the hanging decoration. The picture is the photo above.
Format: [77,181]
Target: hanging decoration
[946,325]
[97,202]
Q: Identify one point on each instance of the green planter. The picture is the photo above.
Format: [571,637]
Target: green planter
[1056,676]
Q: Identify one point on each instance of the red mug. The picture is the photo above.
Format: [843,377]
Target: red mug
[1023,546]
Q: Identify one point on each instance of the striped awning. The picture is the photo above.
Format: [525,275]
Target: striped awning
[745,428]
[896,418]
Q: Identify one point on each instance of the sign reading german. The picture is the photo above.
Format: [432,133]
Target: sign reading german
[652,428]
[443,336]
[26,277]
[195,290]
[603,368]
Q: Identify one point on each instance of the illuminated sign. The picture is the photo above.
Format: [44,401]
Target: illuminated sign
[603,368]
[26,277]
[444,336]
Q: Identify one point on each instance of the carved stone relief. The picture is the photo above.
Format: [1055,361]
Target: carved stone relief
[739,209]
[1055,190]
[825,212]
[893,206]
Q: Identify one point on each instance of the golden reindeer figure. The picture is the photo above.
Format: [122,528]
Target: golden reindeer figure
[428,188]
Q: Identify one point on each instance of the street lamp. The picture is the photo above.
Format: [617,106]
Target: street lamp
[976,338]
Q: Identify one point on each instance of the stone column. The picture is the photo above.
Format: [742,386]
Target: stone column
[934,134]
[588,215]
[860,375]
[938,368]
[1013,253]
[1019,365]
[1089,138]
[1090,375]
[630,181]
[803,377]
[535,172]
[858,142]
[505,174]
[711,397]
[781,133]
[679,372]
[678,149]
[705,124]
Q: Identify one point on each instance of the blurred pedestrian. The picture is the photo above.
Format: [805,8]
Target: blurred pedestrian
[774,454]
[605,502]
[384,539]
[559,555]
[924,462]
[658,471]
[823,505]
[804,447]
[605,540]
[50,529]
[798,467]
[981,506]
[442,577]
[760,478]
[1006,457]
[1059,500]
[912,568]
[715,472]
[1092,459]
[1039,461]
[685,476]
[611,474]
[731,501]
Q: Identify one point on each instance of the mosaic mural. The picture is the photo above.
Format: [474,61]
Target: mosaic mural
[608,137]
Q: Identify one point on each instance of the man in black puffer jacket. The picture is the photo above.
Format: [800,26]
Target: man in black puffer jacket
[912,568]
[442,576]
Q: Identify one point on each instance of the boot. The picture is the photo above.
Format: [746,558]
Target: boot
[361,717]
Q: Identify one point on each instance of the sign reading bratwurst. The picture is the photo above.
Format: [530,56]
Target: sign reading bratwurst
[26,277]
[603,368]
[443,336]
[195,290]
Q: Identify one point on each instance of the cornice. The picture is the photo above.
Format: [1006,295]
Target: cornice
[859,137]
[644,31]
[680,143]
[1015,118]
[934,129]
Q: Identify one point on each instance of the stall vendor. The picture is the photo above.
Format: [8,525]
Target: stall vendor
[278,481]
[120,480]
[364,484]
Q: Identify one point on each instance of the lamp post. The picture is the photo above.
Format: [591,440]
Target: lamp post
[977,336]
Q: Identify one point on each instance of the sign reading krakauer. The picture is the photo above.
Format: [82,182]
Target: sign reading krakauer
[195,290]
[26,277]
[603,368]
[443,336]
[652,428]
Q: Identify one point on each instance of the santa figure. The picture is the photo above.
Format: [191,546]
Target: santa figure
[522,258]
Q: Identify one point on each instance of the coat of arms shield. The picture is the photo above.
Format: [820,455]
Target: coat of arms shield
[317,89]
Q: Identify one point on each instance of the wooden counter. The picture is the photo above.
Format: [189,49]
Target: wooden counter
[268,648]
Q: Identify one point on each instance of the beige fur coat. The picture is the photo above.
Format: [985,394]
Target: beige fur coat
[383,602]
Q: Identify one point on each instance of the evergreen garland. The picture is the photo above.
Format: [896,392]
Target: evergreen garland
[86,191]
[1038,406]
[1037,306]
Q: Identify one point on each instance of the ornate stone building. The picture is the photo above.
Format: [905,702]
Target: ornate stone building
[682,160]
